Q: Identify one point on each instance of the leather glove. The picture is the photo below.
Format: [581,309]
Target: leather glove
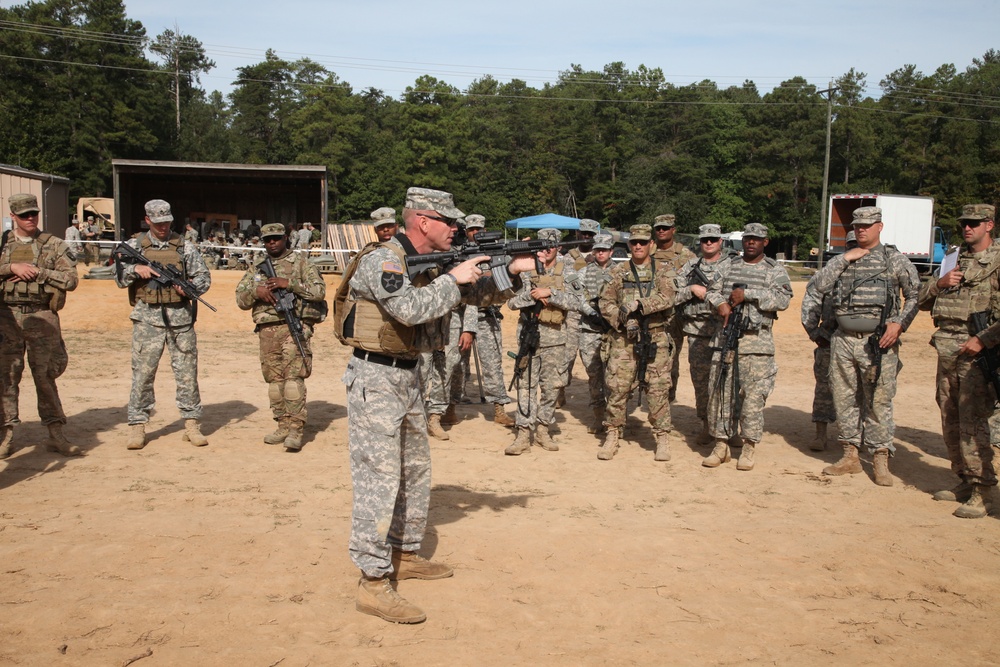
[632,330]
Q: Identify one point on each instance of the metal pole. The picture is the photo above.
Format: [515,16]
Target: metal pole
[824,205]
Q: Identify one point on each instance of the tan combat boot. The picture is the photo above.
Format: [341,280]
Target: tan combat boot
[974,507]
[880,462]
[192,433]
[819,442]
[501,417]
[434,428]
[293,442]
[521,444]
[58,443]
[607,451]
[544,439]
[6,442]
[746,460]
[959,494]
[136,436]
[719,455]
[705,437]
[410,565]
[561,398]
[598,425]
[280,433]
[662,446]
[849,463]
[378,598]
[449,416]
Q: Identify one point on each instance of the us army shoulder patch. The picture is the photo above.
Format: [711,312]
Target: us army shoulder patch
[392,276]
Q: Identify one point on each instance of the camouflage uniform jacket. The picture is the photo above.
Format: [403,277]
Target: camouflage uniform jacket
[854,286]
[593,278]
[381,279]
[817,313]
[304,281]
[621,289]
[677,255]
[698,318]
[567,298]
[767,291]
[56,265]
[195,271]
[978,291]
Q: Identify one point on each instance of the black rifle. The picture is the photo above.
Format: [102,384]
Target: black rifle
[697,276]
[168,277]
[988,359]
[528,340]
[645,352]
[490,244]
[877,352]
[284,303]
[736,325]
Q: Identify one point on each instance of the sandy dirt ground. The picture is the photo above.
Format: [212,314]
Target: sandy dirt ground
[236,553]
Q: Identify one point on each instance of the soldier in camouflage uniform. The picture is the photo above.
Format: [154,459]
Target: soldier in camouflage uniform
[389,317]
[677,255]
[577,257]
[384,220]
[36,271]
[640,294]
[556,292]
[865,284]
[698,320]
[163,318]
[593,328]
[965,397]
[284,369]
[441,371]
[767,291]
[489,343]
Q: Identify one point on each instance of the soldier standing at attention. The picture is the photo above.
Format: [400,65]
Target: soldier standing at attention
[92,234]
[640,295]
[190,234]
[675,253]
[593,328]
[284,369]
[389,318]
[866,284]
[577,257]
[73,238]
[965,397]
[766,291]
[162,317]
[384,220]
[697,318]
[36,271]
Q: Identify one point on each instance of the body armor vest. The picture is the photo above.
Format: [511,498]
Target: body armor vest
[25,293]
[974,293]
[646,285]
[150,292]
[551,315]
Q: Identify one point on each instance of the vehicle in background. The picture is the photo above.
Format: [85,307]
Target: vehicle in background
[732,242]
[907,223]
[103,211]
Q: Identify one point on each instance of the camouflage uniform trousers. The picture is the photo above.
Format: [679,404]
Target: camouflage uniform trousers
[966,402]
[700,363]
[543,377]
[284,370]
[677,336]
[823,410]
[853,394]
[620,377]
[39,335]
[442,376]
[489,344]
[390,463]
[590,353]
[756,374]
[148,343]
[572,330]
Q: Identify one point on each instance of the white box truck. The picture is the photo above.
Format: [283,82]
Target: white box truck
[907,223]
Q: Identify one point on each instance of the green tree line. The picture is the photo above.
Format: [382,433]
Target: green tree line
[85,84]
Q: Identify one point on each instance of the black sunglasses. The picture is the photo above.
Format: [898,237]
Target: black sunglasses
[432,217]
[638,242]
[711,239]
[970,223]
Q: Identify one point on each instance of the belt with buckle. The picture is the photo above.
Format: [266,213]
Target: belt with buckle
[384,359]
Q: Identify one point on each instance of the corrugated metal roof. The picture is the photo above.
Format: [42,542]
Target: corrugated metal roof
[220,166]
[27,173]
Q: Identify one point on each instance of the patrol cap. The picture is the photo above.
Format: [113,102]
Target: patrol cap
[977,212]
[640,233]
[424,199]
[475,221]
[158,210]
[272,229]
[384,216]
[549,234]
[851,237]
[755,229]
[604,242]
[307,224]
[665,220]
[23,203]
[588,225]
[867,215]
[709,231]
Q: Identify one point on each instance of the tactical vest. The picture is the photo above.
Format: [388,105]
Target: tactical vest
[553,280]
[973,294]
[579,260]
[21,293]
[286,267]
[862,292]
[365,324]
[646,285]
[148,291]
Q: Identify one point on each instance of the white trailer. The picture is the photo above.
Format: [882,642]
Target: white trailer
[907,223]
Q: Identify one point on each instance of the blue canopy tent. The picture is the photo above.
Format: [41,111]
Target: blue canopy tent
[544,221]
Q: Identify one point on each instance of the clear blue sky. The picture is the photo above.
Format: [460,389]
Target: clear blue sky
[386,44]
